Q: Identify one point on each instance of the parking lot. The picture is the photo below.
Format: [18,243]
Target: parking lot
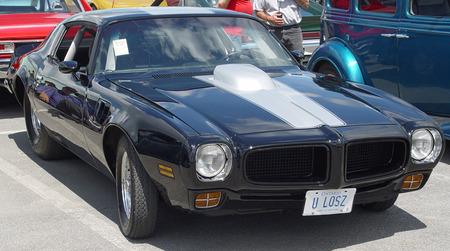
[67,205]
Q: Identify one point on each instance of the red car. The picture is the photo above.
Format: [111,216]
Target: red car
[29,22]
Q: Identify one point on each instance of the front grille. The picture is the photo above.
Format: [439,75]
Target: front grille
[287,165]
[368,159]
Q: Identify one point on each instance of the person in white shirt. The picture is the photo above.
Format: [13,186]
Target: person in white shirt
[283,16]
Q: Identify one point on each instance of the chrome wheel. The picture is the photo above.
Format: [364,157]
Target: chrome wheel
[126,184]
[137,196]
[36,124]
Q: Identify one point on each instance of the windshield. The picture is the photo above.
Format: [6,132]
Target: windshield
[188,43]
[39,6]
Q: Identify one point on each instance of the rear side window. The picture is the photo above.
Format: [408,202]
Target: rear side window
[379,6]
[76,45]
[340,4]
[433,8]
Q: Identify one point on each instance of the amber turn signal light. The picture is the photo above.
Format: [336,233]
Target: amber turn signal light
[207,200]
[412,182]
[166,171]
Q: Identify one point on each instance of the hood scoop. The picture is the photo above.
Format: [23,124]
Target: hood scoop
[243,77]
[275,97]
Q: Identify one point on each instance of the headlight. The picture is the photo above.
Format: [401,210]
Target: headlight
[422,144]
[213,162]
[426,145]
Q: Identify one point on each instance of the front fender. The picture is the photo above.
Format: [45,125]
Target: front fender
[341,57]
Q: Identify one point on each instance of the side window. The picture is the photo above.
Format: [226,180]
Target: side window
[433,8]
[379,6]
[340,4]
[66,42]
[76,45]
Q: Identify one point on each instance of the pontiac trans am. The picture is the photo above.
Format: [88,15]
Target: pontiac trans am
[204,109]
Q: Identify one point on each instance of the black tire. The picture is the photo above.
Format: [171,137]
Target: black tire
[93,7]
[137,196]
[329,69]
[42,144]
[380,205]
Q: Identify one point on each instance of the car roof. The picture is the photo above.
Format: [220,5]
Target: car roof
[101,17]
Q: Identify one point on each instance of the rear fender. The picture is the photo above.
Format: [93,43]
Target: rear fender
[19,52]
[17,56]
[20,84]
[338,54]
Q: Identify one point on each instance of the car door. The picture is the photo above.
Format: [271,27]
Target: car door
[372,35]
[424,55]
[61,102]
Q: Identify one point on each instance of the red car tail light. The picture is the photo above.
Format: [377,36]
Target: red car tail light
[6,47]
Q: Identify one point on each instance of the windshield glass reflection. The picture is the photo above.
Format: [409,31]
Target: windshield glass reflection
[187,43]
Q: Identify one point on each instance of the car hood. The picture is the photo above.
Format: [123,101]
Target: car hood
[242,99]
[34,26]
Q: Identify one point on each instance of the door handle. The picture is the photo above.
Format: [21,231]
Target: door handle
[395,35]
[401,36]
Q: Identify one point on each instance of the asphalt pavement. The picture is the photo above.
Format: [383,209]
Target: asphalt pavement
[68,205]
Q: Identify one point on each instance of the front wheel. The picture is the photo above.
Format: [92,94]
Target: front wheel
[137,196]
[380,205]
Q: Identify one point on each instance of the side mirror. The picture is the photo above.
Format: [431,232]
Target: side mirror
[68,67]
[298,55]
[72,67]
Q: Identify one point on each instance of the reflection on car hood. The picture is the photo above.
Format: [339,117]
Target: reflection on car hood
[29,26]
[241,99]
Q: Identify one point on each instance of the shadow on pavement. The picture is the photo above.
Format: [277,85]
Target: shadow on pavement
[9,107]
[182,230]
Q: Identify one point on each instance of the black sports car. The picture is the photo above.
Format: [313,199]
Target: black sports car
[205,109]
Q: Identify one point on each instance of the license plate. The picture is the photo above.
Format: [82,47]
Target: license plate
[323,202]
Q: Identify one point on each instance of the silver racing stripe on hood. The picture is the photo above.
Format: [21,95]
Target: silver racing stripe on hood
[255,86]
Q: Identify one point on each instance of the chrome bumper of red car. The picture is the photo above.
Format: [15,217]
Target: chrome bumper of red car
[4,82]
[7,85]
[4,63]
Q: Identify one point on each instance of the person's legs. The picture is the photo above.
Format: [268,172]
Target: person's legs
[278,32]
[292,38]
